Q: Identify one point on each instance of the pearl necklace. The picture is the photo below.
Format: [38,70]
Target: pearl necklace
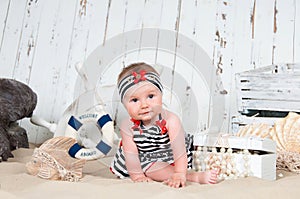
[207,158]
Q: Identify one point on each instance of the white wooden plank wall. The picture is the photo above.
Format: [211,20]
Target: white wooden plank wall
[42,40]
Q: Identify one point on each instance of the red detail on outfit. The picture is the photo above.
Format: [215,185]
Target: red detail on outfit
[137,124]
[111,170]
[162,126]
[139,76]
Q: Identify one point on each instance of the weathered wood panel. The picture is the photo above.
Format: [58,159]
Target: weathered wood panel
[11,33]
[262,21]
[272,88]
[284,31]
[296,52]
[4,8]
[41,41]
[54,36]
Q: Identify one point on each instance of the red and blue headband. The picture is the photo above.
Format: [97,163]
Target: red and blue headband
[134,78]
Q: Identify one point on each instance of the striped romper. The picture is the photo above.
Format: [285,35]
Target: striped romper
[153,146]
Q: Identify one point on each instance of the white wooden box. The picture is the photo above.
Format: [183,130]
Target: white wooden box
[262,156]
[270,88]
[266,94]
[237,122]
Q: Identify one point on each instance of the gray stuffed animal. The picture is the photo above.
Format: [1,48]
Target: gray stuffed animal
[17,101]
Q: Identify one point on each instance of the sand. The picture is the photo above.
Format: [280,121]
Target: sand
[99,183]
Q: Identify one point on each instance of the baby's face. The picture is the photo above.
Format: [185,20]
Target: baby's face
[143,101]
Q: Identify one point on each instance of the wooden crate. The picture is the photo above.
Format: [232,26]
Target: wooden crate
[270,88]
[266,94]
[237,122]
[262,159]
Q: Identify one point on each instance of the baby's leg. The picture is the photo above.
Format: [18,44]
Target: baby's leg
[160,171]
[205,177]
[163,172]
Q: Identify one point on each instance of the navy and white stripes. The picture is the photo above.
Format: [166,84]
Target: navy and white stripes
[152,147]
[130,80]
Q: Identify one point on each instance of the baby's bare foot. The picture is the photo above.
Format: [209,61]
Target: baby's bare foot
[206,177]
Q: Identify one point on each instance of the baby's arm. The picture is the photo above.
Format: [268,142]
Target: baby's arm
[132,161]
[177,138]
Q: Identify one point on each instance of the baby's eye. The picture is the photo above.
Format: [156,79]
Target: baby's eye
[151,96]
[134,100]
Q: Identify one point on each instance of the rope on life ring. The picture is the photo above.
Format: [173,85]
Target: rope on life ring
[102,120]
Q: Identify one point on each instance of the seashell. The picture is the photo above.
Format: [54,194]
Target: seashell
[52,161]
[285,131]
[258,129]
[293,138]
[286,134]
[277,133]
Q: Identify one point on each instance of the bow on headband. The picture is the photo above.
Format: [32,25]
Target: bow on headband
[134,78]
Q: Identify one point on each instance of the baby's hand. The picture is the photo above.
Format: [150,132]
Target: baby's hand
[141,178]
[176,180]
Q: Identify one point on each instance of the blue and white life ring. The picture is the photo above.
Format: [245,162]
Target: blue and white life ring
[104,122]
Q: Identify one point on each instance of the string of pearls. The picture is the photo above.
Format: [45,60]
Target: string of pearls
[207,158]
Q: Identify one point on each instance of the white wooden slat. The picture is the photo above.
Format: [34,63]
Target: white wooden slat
[279,81]
[243,28]
[194,19]
[286,95]
[271,85]
[59,46]
[151,13]
[134,15]
[133,19]
[296,51]
[190,15]
[285,69]
[177,18]
[266,69]
[28,41]
[169,13]
[242,47]
[276,105]
[4,9]
[87,33]
[25,53]
[285,32]
[199,15]
[183,19]
[148,17]
[97,13]
[263,23]
[242,120]
[260,72]
[151,18]
[50,61]
[224,50]
[270,77]
[11,34]
[115,20]
[223,37]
